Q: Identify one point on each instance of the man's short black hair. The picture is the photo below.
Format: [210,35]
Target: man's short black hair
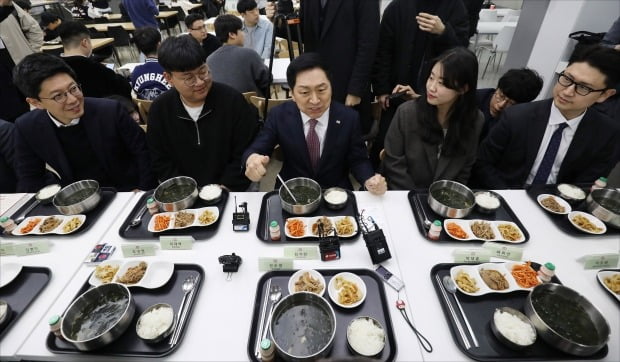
[246,5]
[606,60]
[191,18]
[305,61]
[181,54]
[35,68]
[146,39]
[72,33]
[225,24]
[47,18]
[520,85]
[24,4]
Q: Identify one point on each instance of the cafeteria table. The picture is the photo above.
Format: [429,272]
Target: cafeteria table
[220,301]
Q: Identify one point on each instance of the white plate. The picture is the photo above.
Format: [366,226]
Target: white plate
[18,230]
[313,273]
[303,219]
[309,221]
[94,281]
[497,225]
[156,275]
[60,229]
[601,275]
[466,226]
[559,200]
[339,218]
[593,219]
[151,226]
[214,210]
[474,272]
[333,292]
[8,272]
[196,222]
[64,219]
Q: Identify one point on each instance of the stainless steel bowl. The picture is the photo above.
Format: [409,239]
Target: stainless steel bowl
[161,336]
[337,205]
[78,197]
[593,204]
[89,322]
[502,338]
[316,325]
[446,210]
[534,307]
[302,207]
[183,201]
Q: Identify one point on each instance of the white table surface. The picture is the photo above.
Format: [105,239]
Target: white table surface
[220,300]
[493,27]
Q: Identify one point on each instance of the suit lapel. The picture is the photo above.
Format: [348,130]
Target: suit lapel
[536,126]
[330,15]
[95,137]
[51,150]
[580,141]
[334,126]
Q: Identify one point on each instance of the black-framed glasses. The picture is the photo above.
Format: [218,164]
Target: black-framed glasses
[501,97]
[199,28]
[203,74]
[75,90]
[582,90]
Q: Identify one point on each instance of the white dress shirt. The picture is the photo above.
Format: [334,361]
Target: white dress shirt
[60,124]
[320,128]
[555,119]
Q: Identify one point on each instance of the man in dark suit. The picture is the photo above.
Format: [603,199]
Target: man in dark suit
[320,138]
[7,164]
[561,139]
[79,138]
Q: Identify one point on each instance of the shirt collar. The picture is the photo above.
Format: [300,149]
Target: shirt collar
[323,120]
[59,124]
[555,118]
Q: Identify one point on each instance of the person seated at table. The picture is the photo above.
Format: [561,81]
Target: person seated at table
[142,13]
[258,31]
[198,30]
[95,78]
[319,137]
[435,136]
[199,128]
[147,80]
[557,140]
[234,65]
[49,24]
[76,136]
[7,164]
[84,10]
[515,86]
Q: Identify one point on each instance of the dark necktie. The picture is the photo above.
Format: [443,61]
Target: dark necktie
[552,150]
[314,146]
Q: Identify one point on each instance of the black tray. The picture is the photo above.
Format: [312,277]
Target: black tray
[271,209]
[197,232]
[417,199]
[375,305]
[107,195]
[561,221]
[479,310]
[22,291]
[129,344]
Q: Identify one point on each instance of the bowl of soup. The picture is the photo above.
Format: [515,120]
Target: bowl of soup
[177,193]
[451,199]
[78,197]
[307,194]
[605,204]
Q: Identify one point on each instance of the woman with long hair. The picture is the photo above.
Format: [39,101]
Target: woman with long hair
[435,136]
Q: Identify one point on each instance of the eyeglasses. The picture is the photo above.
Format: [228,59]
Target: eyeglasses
[75,90]
[203,74]
[501,97]
[199,28]
[582,90]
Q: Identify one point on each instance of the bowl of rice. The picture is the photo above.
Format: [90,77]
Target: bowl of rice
[571,193]
[366,336]
[211,194]
[335,198]
[487,202]
[155,323]
[513,328]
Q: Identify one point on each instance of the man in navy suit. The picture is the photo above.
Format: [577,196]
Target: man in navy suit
[320,138]
[559,140]
[79,138]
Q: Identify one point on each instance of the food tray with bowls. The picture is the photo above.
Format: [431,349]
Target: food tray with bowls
[198,230]
[184,219]
[374,305]
[271,209]
[479,311]
[44,210]
[610,281]
[53,224]
[129,344]
[20,286]
[502,231]
[302,227]
[565,220]
[420,208]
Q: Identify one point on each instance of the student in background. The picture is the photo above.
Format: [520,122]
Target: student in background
[147,80]
[258,31]
[198,30]
[49,24]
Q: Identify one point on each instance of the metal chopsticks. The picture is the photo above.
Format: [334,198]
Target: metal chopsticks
[261,326]
[459,326]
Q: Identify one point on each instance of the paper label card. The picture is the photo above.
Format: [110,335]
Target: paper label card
[6,249]
[301,252]
[176,242]
[269,264]
[600,261]
[477,255]
[35,247]
[131,250]
[503,251]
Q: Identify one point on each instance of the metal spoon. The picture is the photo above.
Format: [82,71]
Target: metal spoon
[287,189]
[427,222]
[275,293]
[137,220]
[38,200]
[187,287]
[451,288]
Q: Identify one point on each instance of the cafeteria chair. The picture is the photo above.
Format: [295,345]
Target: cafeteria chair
[143,108]
[501,44]
[259,103]
[248,95]
[122,39]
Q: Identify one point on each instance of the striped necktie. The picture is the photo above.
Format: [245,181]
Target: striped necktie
[314,146]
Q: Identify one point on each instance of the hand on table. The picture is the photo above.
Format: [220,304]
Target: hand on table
[376,185]
[430,23]
[255,167]
[352,100]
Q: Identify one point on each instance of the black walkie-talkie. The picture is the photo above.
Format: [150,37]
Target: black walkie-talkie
[375,241]
[241,220]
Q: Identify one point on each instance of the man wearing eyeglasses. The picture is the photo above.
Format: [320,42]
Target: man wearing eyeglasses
[558,140]
[197,28]
[76,137]
[199,128]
